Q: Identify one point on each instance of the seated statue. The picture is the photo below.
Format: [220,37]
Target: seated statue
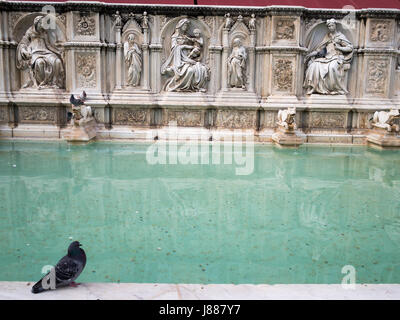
[328,64]
[385,120]
[286,119]
[36,53]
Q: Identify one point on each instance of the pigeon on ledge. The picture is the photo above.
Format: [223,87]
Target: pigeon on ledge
[78,102]
[66,270]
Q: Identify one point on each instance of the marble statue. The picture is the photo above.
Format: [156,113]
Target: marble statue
[228,21]
[145,20]
[36,53]
[133,59]
[286,119]
[252,22]
[385,120]
[185,72]
[117,19]
[327,65]
[237,65]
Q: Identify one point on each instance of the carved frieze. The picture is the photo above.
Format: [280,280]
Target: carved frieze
[377,71]
[236,119]
[130,116]
[270,119]
[327,120]
[85,64]
[185,118]
[37,114]
[283,75]
[284,29]
[85,25]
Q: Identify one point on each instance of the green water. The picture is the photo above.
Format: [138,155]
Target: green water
[298,218]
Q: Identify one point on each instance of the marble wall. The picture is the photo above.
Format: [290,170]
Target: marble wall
[226,67]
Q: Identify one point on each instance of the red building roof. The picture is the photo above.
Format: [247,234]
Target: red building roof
[331,4]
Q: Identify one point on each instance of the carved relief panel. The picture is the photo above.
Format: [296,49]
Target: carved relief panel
[86,69]
[40,56]
[185,66]
[85,26]
[186,118]
[3,114]
[233,119]
[380,32]
[377,76]
[37,114]
[126,116]
[285,30]
[283,74]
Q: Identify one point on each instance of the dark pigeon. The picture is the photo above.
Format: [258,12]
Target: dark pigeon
[68,269]
[78,102]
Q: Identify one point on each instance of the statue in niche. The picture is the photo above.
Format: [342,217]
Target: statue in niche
[228,21]
[328,64]
[186,72]
[133,59]
[36,53]
[237,65]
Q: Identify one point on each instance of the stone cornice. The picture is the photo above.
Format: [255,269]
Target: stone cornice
[196,10]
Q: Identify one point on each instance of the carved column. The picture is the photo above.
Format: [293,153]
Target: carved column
[146,64]
[225,54]
[252,59]
[118,57]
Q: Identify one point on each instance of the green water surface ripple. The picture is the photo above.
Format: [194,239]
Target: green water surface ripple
[300,216]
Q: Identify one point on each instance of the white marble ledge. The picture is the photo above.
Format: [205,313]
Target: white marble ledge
[153,291]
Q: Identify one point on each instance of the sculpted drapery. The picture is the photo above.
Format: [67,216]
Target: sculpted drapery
[186,73]
[328,64]
[36,53]
[237,65]
[133,59]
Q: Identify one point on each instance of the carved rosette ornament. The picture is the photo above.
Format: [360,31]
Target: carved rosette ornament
[86,25]
[283,75]
[86,69]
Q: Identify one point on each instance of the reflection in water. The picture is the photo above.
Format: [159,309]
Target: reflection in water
[298,218]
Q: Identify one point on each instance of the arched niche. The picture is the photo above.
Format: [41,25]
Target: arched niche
[168,30]
[57,38]
[131,27]
[318,31]
[57,35]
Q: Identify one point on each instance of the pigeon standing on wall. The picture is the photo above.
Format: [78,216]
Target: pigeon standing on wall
[67,270]
[79,101]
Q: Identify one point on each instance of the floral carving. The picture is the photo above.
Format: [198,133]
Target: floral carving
[47,114]
[129,116]
[380,31]
[376,75]
[327,120]
[236,119]
[86,69]
[284,29]
[185,118]
[283,75]
[85,26]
